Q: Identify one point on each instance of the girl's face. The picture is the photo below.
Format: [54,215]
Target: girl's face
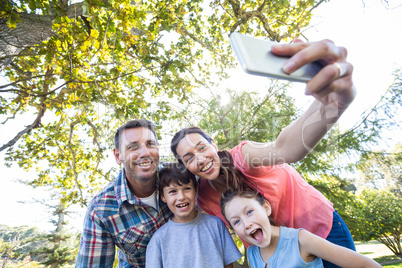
[249,219]
[199,156]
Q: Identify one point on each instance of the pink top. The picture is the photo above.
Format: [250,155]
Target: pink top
[294,202]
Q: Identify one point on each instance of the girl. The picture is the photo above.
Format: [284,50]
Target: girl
[294,202]
[248,214]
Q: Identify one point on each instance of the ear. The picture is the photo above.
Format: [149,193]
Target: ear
[163,198]
[267,207]
[117,156]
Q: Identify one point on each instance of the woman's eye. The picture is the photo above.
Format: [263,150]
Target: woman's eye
[188,159]
[203,147]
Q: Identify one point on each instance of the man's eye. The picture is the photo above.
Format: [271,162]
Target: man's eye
[151,144]
[133,146]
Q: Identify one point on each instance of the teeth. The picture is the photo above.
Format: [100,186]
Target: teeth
[206,167]
[144,164]
[182,205]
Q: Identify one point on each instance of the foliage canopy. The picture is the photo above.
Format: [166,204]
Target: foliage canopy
[80,69]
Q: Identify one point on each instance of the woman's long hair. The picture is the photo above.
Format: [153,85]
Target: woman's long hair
[233,178]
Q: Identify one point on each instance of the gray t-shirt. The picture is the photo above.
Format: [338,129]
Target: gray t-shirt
[203,242]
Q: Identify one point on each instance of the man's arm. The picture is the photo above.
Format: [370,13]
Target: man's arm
[333,91]
[97,248]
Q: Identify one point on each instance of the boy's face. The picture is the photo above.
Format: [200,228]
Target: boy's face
[181,201]
[249,219]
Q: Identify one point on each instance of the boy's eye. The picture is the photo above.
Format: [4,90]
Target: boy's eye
[171,191]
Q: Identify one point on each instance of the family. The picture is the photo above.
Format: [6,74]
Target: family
[177,215]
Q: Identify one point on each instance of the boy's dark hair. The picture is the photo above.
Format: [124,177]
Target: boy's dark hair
[245,193]
[136,123]
[176,174]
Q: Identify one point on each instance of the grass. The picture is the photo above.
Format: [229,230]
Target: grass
[380,253]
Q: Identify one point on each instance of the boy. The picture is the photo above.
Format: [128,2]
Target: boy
[191,238]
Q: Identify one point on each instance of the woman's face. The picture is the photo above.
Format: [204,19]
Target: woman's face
[199,156]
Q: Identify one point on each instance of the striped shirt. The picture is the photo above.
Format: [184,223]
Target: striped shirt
[115,217]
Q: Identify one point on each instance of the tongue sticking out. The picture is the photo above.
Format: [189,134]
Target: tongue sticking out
[258,235]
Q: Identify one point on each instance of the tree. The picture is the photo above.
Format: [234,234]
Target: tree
[97,63]
[57,248]
[233,116]
[380,216]
[383,170]
[16,243]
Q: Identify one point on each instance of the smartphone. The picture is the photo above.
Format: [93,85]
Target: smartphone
[256,58]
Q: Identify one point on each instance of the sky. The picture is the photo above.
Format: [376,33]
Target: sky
[368,29]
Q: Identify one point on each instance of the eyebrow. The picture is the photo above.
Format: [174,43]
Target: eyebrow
[194,147]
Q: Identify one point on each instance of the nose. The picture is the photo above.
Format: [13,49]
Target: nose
[180,195]
[200,158]
[144,151]
[247,223]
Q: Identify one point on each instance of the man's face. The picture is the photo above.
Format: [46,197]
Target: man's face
[139,154]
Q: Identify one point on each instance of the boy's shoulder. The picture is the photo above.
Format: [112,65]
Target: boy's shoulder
[208,217]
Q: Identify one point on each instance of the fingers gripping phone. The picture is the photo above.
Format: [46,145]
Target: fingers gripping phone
[256,58]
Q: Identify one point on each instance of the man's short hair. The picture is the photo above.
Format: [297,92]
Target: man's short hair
[136,123]
[176,174]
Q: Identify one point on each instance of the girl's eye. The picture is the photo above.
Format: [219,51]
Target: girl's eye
[249,212]
[236,222]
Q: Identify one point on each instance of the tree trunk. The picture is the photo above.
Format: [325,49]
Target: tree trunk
[32,30]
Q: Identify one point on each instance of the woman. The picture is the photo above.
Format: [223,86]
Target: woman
[264,166]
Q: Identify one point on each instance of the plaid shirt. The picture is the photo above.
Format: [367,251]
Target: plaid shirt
[115,217]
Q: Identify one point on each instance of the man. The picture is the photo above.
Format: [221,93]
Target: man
[127,211]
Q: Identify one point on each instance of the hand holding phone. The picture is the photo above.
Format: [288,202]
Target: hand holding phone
[256,58]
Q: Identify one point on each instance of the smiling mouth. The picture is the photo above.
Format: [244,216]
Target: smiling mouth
[207,167]
[182,205]
[145,163]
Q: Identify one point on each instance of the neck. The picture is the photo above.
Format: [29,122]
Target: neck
[140,188]
[269,250]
